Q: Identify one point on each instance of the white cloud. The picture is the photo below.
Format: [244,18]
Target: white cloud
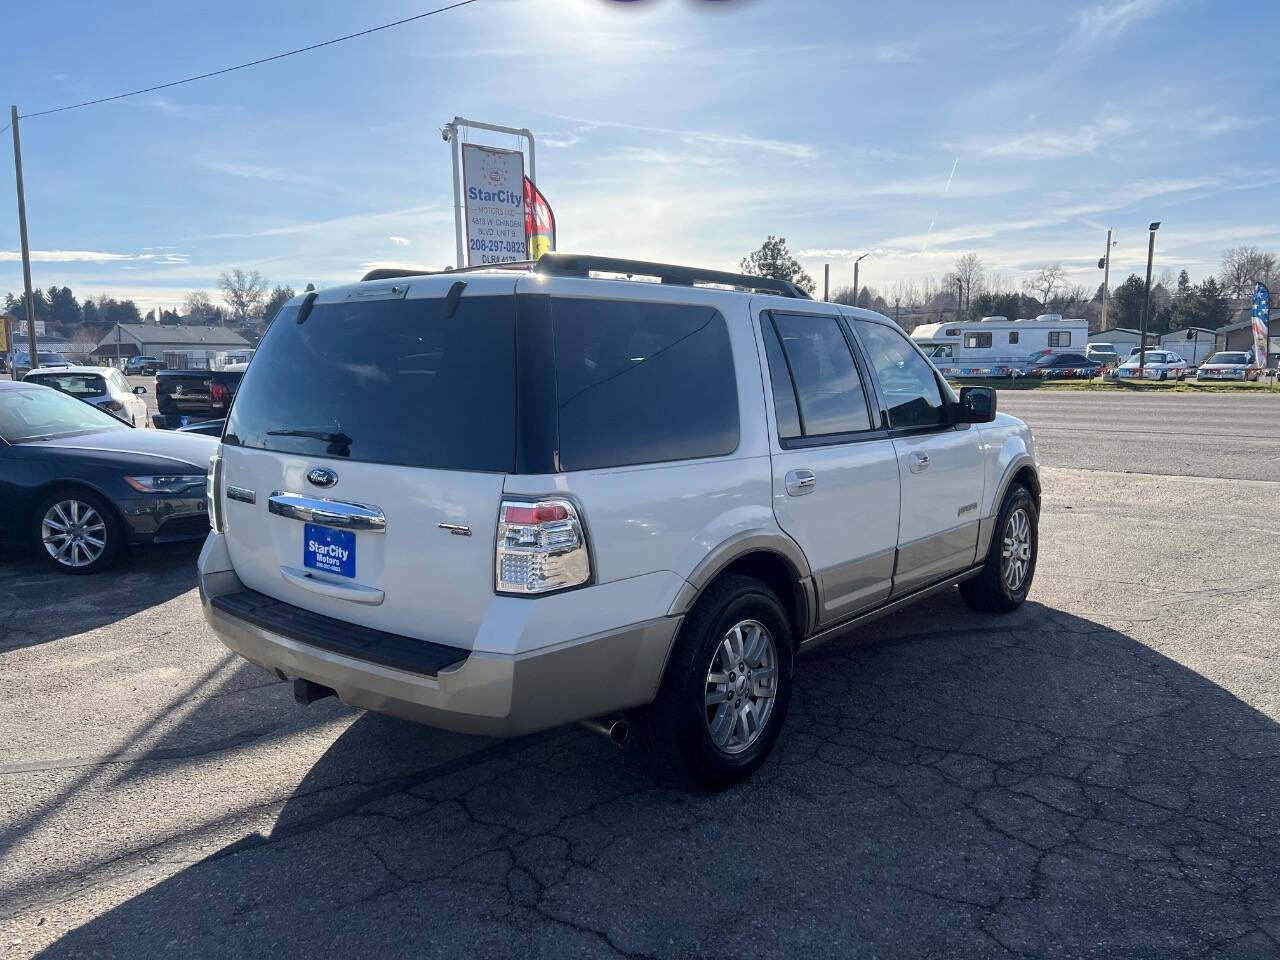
[253,171]
[400,241]
[1108,19]
[1065,142]
[65,256]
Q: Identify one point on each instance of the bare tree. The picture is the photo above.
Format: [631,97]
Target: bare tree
[1244,266]
[244,293]
[1071,298]
[198,305]
[1046,280]
[970,273]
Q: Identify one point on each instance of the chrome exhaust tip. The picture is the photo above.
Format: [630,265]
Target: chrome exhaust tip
[615,730]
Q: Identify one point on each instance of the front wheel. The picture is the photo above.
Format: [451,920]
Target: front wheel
[725,692]
[1010,566]
[77,531]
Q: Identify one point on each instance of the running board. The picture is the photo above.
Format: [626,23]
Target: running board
[835,630]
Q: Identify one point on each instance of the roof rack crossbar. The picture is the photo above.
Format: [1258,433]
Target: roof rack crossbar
[581,265]
[393,273]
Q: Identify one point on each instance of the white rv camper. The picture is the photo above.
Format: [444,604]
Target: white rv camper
[998,346]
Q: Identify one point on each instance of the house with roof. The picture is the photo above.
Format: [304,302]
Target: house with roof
[178,346]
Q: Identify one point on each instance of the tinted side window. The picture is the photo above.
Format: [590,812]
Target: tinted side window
[907,381]
[784,392]
[826,380]
[642,383]
[1013,336]
[386,381]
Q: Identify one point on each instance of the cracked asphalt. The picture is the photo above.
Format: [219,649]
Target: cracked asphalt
[1097,775]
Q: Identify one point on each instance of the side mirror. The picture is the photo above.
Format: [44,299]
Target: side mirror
[977,405]
[139,390]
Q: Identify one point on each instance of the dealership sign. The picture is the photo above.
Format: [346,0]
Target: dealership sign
[493,191]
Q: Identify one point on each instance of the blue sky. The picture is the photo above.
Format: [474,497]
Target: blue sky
[668,129]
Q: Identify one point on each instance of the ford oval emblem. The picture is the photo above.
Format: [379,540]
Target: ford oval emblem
[322,477]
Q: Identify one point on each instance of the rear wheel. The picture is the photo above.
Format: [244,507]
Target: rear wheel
[77,531]
[725,692]
[1011,562]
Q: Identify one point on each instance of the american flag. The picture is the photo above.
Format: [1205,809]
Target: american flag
[1261,312]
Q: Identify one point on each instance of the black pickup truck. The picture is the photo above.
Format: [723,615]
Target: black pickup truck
[189,396]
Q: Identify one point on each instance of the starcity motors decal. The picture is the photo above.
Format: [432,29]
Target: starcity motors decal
[494,199]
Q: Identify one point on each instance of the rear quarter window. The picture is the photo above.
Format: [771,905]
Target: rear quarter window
[641,383]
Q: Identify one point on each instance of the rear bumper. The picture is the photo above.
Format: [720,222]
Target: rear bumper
[484,693]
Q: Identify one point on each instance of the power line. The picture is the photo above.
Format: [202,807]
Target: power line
[251,63]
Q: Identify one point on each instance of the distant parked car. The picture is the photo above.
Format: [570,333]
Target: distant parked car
[1230,365]
[1157,365]
[102,386]
[1103,353]
[80,485]
[1064,366]
[48,358]
[145,366]
[190,396]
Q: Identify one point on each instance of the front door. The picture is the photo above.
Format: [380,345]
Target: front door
[940,464]
[835,471]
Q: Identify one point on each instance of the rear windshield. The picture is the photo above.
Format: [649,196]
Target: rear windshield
[76,384]
[385,381]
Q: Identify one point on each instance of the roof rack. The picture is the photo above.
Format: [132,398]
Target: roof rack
[581,265]
[392,273]
[584,265]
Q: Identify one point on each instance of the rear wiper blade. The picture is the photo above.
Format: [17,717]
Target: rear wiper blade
[339,443]
[326,436]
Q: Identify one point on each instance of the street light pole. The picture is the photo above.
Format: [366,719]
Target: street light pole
[1146,301]
[34,354]
[1105,264]
[826,282]
[855,275]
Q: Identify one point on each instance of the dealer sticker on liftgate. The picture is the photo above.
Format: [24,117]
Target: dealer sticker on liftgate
[333,551]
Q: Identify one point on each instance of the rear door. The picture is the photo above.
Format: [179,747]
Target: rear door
[835,471]
[940,464]
[362,428]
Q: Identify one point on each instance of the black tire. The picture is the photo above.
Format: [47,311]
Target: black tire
[110,530]
[990,591]
[674,731]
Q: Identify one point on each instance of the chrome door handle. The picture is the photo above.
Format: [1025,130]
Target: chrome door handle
[329,513]
[919,462]
[800,482]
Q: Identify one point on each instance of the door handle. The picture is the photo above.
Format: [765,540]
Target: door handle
[800,482]
[919,462]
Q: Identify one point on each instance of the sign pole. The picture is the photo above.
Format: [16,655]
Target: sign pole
[26,249]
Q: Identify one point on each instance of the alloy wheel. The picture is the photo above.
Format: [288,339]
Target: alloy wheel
[741,686]
[1015,554]
[73,533]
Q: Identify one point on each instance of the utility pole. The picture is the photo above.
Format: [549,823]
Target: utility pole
[1146,300]
[959,297]
[826,282]
[26,249]
[1105,264]
[897,310]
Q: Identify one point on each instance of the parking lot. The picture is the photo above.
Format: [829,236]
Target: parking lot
[1097,775]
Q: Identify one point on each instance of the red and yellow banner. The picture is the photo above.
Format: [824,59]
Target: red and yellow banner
[539,221]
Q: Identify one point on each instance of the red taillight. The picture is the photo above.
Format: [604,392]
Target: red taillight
[541,547]
[219,395]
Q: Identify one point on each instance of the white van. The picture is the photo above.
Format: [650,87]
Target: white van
[998,346]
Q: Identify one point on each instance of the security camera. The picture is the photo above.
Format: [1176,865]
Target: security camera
[446,133]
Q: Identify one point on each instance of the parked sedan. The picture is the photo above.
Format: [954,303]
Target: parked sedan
[1063,366]
[47,358]
[1230,365]
[80,485]
[102,386]
[1158,365]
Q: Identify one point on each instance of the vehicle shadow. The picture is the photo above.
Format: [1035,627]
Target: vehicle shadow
[1038,784]
[41,604]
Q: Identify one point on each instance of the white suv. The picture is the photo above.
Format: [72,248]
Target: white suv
[503,500]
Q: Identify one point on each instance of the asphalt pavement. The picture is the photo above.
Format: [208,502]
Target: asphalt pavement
[1096,775]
